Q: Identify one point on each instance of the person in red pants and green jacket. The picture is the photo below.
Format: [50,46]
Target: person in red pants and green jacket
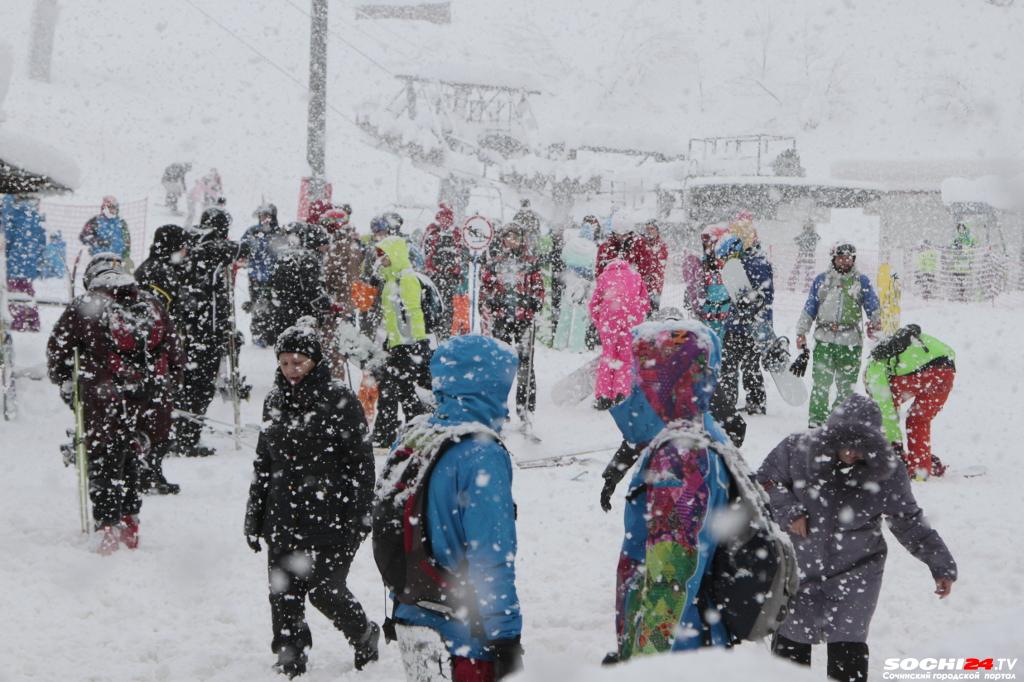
[834,307]
[911,365]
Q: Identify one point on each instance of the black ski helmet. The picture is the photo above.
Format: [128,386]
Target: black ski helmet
[216,221]
[843,249]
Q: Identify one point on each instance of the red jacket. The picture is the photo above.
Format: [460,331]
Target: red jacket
[652,268]
[444,253]
[125,340]
[512,288]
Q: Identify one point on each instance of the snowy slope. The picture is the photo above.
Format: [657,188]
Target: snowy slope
[191,602]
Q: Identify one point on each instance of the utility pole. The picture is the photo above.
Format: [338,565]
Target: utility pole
[316,141]
[44,27]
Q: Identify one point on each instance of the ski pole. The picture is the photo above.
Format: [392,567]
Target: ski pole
[81,452]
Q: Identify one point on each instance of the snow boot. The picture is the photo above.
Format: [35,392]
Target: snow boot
[129,531]
[753,410]
[109,539]
[366,649]
[611,658]
[197,451]
[603,403]
[290,662]
[938,468]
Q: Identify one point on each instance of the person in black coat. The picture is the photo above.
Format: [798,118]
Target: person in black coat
[161,274]
[202,314]
[297,286]
[310,500]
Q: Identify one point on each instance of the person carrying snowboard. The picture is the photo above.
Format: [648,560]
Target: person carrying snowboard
[747,330]
[833,307]
[310,499]
[911,365]
[456,612]
[831,487]
[512,291]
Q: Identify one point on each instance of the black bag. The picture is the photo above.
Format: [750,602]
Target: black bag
[754,573]
[897,343]
[431,302]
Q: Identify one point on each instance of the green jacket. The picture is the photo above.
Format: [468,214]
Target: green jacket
[878,373]
[400,298]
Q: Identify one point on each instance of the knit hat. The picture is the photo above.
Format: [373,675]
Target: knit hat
[168,239]
[303,338]
[743,228]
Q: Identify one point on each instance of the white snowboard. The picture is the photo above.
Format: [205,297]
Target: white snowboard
[790,387]
[576,386]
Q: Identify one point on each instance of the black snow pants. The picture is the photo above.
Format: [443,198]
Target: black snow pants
[739,352]
[111,425]
[406,367]
[847,661]
[202,362]
[320,573]
[519,333]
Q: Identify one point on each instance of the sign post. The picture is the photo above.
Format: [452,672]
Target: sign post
[477,234]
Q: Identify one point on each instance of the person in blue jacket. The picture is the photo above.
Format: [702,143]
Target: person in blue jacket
[747,330]
[260,246]
[666,551]
[471,517]
[54,263]
[26,242]
[108,231]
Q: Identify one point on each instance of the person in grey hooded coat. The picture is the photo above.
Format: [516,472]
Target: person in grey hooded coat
[830,487]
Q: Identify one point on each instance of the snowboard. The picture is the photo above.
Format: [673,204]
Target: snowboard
[775,357]
[576,386]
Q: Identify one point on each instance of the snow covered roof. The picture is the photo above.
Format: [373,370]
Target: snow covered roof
[28,165]
[998,191]
[467,73]
[921,174]
[712,180]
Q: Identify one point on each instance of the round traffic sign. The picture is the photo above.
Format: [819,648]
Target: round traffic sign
[477,233]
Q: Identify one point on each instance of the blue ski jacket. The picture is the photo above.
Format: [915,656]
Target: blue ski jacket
[470,509]
[25,236]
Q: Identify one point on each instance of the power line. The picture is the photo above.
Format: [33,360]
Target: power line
[343,40]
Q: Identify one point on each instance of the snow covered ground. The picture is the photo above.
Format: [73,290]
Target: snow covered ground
[191,602]
[138,85]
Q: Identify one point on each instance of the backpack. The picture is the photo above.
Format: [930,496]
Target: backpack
[754,574]
[897,343]
[401,548]
[135,334]
[430,301]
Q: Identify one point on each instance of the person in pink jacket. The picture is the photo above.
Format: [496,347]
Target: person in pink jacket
[620,302]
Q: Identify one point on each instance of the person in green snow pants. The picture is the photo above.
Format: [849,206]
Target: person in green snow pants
[833,363]
[838,301]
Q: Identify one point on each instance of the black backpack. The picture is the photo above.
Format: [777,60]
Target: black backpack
[430,301]
[754,574]
[897,343]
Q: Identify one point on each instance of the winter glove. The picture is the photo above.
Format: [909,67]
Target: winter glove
[621,462]
[897,447]
[508,656]
[67,393]
[254,543]
[799,366]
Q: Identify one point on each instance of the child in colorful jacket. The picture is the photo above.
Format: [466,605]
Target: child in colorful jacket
[834,307]
[668,546]
[911,365]
[620,301]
